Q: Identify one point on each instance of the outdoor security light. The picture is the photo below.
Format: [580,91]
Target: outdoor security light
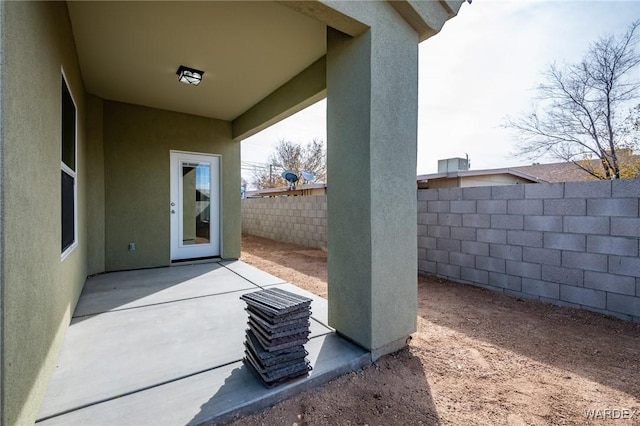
[189,75]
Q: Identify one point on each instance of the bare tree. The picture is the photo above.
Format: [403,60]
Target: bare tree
[581,115]
[288,155]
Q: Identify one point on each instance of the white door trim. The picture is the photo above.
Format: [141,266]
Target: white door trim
[180,249]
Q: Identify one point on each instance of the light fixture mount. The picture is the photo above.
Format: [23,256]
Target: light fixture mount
[189,75]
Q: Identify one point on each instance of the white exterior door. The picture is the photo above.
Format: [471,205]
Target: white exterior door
[195,205]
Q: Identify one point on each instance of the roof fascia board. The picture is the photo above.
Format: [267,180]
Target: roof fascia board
[426,17]
[471,173]
[301,91]
[323,11]
[523,175]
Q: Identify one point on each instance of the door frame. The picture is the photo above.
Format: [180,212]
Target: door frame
[179,251]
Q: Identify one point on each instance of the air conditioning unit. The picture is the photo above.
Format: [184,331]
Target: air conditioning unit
[453,165]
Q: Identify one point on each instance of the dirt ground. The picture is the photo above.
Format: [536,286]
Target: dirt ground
[478,358]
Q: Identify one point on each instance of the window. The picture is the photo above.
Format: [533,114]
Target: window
[68,171]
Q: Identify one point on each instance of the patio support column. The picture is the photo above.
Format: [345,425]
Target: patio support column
[372,104]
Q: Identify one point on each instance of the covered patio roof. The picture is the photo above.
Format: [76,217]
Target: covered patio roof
[164,346]
[130,51]
[247,50]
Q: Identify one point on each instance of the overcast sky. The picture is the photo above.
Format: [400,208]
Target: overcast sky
[483,66]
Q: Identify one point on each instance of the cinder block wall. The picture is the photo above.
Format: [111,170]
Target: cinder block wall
[572,244]
[298,220]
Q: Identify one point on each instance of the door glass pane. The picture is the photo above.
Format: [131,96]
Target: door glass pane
[196,202]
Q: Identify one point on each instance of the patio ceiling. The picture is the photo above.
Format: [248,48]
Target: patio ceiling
[130,51]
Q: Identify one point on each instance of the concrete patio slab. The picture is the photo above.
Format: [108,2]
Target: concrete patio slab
[118,363]
[128,289]
[218,395]
[252,274]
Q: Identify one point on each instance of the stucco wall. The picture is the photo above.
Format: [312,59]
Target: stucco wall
[297,220]
[572,244]
[41,290]
[95,186]
[137,144]
[372,100]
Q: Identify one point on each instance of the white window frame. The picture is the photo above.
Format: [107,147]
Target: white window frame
[73,173]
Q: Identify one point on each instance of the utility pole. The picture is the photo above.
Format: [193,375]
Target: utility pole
[271,166]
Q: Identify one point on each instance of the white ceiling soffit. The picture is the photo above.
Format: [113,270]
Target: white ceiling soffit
[130,51]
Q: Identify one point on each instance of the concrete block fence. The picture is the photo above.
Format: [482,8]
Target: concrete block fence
[572,244]
[298,220]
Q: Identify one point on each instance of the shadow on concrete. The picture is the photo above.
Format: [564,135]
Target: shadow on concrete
[133,289]
[242,393]
[602,349]
[213,411]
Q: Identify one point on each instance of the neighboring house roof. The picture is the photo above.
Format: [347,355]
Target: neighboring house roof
[569,172]
[552,172]
[305,189]
[556,172]
[472,173]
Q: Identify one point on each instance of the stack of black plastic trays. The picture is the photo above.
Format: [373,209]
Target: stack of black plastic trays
[278,329]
